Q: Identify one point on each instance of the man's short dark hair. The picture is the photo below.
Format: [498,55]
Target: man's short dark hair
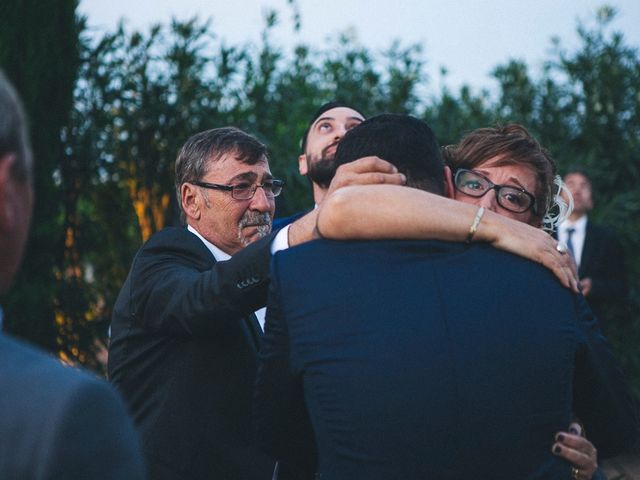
[580,170]
[324,108]
[209,146]
[404,141]
[14,138]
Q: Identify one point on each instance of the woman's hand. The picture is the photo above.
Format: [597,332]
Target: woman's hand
[529,242]
[578,451]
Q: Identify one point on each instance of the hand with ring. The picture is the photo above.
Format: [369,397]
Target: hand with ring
[578,451]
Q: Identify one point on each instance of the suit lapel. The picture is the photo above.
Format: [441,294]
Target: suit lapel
[586,251]
[255,332]
[254,329]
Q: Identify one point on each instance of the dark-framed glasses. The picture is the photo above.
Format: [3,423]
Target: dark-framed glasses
[510,197]
[246,191]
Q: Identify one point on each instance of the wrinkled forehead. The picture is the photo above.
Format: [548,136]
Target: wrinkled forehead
[576,178]
[233,165]
[338,114]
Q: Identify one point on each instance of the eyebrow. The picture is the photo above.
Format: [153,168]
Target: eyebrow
[251,176]
[514,181]
[322,119]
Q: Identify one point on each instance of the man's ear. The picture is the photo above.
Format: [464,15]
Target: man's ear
[449,189]
[190,201]
[302,164]
[7,193]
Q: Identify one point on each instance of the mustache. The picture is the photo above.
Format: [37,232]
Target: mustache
[326,149]
[255,219]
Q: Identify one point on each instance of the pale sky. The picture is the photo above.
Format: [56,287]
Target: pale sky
[468,37]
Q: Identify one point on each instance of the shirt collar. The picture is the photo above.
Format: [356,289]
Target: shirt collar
[579,224]
[218,254]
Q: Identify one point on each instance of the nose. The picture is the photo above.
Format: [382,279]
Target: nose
[339,132]
[489,201]
[261,203]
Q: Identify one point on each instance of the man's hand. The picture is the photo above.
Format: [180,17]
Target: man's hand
[364,171]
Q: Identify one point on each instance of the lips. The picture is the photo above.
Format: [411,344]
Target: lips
[330,150]
[254,225]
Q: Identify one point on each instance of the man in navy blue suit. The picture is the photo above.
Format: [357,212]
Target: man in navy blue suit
[426,359]
[55,422]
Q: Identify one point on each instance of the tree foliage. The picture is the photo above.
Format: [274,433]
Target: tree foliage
[105,171]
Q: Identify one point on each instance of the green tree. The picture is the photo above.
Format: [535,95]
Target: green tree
[39,53]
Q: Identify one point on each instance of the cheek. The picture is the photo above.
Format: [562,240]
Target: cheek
[526,217]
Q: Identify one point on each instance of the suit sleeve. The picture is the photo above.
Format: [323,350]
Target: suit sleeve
[174,289]
[92,437]
[283,428]
[602,398]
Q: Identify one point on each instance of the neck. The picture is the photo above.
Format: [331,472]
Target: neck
[318,193]
[575,216]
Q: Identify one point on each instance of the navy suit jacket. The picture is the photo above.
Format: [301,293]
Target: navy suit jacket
[58,422]
[282,222]
[184,355]
[430,360]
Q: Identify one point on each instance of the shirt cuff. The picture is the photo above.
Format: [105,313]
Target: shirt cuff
[281,240]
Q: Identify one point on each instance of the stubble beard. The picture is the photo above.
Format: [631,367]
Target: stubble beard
[321,170]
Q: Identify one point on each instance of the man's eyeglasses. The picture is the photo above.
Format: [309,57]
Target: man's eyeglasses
[509,197]
[246,191]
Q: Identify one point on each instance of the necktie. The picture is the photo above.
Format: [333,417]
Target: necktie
[570,232]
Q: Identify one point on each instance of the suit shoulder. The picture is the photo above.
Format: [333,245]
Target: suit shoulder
[282,222]
[601,231]
[25,367]
[174,242]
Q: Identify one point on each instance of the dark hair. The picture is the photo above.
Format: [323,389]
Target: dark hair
[577,169]
[404,141]
[14,137]
[513,145]
[209,146]
[324,108]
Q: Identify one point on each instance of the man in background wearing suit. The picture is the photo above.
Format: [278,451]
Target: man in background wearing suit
[186,325]
[55,422]
[426,359]
[596,250]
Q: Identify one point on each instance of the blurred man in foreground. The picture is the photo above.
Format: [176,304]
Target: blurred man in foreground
[56,422]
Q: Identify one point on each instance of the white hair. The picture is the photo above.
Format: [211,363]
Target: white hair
[560,208]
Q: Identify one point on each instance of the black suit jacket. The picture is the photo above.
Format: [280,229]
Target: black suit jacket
[58,422]
[184,354]
[430,360]
[603,261]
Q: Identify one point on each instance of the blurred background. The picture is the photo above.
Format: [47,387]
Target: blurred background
[113,89]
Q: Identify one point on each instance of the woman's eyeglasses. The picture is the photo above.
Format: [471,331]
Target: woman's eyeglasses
[509,197]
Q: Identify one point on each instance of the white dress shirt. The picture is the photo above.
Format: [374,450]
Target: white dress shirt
[577,239]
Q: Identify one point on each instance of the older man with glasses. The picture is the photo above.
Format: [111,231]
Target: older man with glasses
[187,324]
